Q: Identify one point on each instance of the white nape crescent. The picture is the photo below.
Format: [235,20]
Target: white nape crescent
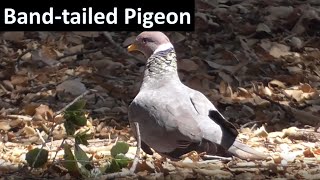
[163,47]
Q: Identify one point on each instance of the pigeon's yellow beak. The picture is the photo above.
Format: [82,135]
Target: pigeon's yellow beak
[133,47]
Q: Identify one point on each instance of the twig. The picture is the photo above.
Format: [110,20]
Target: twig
[136,158]
[78,53]
[54,158]
[13,116]
[308,41]
[135,161]
[16,67]
[109,137]
[72,102]
[210,157]
[249,123]
[45,128]
[209,161]
[254,126]
[112,77]
[116,175]
[121,49]
[3,88]
[288,37]
[297,114]
[36,88]
[268,99]
[40,137]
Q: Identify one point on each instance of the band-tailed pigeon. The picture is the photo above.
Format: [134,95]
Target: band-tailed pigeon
[173,118]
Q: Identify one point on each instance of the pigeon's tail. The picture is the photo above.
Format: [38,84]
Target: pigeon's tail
[245,152]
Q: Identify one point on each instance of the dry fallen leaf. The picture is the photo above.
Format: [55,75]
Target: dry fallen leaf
[187,65]
[5,125]
[47,55]
[19,80]
[261,132]
[262,27]
[29,131]
[15,36]
[43,113]
[276,83]
[277,50]
[293,93]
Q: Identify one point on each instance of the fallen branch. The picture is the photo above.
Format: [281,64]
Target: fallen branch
[55,155]
[206,164]
[268,99]
[301,134]
[13,116]
[3,88]
[210,157]
[40,137]
[254,167]
[37,88]
[302,116]
[249,123]
[135,161]
[72,102]
[78,53]
[209,161]
[17,66]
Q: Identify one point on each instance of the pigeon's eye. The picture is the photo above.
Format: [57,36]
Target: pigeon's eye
[144,40]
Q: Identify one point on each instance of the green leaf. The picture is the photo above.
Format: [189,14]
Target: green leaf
[79,105]
[69,160]
[80,120]
[85,165]
[122,160]
[76,114]
[76,117]
[80,155]
[82,138]
[70,128]
[114,167]
[119,148]
[33,161]
[84,171]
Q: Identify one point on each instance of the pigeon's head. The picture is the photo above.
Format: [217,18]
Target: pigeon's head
[149,42]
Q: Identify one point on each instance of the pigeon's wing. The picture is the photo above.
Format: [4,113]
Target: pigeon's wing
[182,115]
[193,127]
[203,106]
[165,124]
[229,132]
